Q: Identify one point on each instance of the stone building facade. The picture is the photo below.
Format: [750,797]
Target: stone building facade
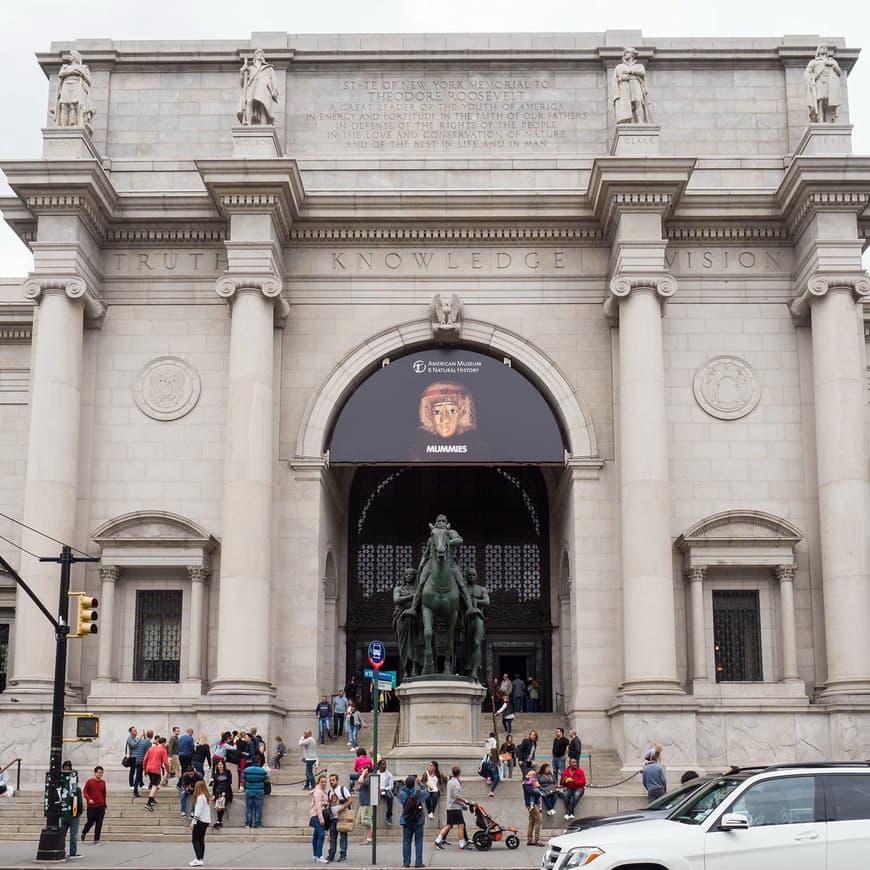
[685,291]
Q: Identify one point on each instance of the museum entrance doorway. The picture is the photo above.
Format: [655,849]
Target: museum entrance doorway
[503,517]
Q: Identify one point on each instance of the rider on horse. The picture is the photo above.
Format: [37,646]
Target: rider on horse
[425,568]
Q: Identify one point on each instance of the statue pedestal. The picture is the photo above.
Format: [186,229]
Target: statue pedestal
[69,143]
[439,718]
[257,140]
[825,139]
[635,140]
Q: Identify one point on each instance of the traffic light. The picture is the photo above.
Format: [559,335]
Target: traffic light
[86,614]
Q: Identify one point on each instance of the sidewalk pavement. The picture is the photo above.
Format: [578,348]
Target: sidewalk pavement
[268,856]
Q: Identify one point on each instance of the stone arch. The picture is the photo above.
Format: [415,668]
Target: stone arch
[152,527]
[738,529]
[568,405]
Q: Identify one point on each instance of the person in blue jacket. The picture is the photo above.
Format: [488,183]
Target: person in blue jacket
[412,798]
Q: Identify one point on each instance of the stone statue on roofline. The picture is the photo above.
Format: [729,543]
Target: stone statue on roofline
[822,77]
[73,103]
[631,104]
[259,93]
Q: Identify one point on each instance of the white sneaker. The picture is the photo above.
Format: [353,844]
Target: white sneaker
[567,816]
[551,812]
[431,815]
[321,860]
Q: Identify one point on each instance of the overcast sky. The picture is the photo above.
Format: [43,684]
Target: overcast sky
[28,26]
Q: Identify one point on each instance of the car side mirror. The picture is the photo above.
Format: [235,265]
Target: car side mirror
[734,822]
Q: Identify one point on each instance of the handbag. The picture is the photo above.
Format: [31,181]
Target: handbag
[220,802]
[267,787]
[127,761]
[346,821]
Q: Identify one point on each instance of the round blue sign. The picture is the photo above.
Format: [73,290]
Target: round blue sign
[377,653]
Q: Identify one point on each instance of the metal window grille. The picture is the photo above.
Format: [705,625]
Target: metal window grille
[157,656]
[737,636]
[4,655]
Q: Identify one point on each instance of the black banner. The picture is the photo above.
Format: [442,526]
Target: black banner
[449,406]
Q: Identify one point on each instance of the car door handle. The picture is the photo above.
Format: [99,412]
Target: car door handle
[810,835]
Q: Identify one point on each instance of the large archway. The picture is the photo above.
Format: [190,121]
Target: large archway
[502,514]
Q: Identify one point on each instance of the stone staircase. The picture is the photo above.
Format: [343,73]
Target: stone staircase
[285,815]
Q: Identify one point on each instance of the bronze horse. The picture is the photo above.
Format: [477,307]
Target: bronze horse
[440,598]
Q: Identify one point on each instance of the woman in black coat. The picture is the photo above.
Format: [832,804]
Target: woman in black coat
[527,752]
[221,787]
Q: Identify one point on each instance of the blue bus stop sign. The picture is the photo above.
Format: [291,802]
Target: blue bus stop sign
[377,654]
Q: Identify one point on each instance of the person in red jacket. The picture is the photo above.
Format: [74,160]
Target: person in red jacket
[573,784]
[94,794]
[155,762]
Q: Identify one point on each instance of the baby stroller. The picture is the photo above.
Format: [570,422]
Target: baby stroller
[491,831]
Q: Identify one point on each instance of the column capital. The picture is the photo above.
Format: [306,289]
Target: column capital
[857,284]
[198,573]
[110,573]
[230,285]
[36,288]
[695,574]
[621,287]
[784,573]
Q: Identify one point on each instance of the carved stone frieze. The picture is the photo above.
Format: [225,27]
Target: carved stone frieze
[446,234]
[167,389]
[718,232]
[726,387]
[158,235]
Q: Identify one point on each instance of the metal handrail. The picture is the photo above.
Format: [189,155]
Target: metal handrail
[18,775]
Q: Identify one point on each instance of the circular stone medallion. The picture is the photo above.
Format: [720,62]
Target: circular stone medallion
[726,387]
[167,388]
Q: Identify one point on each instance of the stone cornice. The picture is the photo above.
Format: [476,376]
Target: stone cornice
[820,285]
[185,234]
[35,287]
[261,185]
[621,286]
[447,234]
[57,187]
[723,233]
[824,183]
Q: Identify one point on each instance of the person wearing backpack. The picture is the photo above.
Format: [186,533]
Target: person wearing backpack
[412,798]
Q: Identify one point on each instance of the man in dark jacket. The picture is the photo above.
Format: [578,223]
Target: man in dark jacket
[575,747]
[560,752]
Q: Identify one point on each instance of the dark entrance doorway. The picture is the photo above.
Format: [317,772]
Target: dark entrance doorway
[502,515]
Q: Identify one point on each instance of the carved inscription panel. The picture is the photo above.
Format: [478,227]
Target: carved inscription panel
[448,113]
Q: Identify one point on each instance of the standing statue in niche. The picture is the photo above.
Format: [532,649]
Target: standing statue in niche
[823,87]
[73,104]
[475,625]
[258,91]
[409,630]
[441,594]
[631,104]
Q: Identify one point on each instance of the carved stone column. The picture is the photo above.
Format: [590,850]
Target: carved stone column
[695,578]
[244,641]
[109,576]
[785,577]
[198,578]
[51,480]
[844,493]
[647,553]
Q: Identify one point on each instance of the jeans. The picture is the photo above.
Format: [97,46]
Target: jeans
[558,766]
[323,724]
[197,838]
[571,796]
[338,724]
[550,799]
[353,733]
[496,779]
[531,705]
[518,703]
[508,724]
[309,773]
[253,810]
[317,836]
[184,797]
[138,780]
[414,832]
[387,797]
[95,821]
[432,801]
[339,837]
[71,824]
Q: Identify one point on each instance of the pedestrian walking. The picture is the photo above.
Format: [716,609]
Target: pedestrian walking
[69,821]
[199,821]
[222,790]
[455,805]
[309,757]
[154,764]
[94,794]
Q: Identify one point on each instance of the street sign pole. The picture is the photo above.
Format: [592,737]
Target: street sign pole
[377,656]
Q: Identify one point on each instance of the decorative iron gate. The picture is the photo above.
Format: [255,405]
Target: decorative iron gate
[502,515]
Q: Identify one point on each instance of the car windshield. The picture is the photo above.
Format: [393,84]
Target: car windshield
[694,810]
[677,796]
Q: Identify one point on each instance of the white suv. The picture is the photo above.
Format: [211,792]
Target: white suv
[788,817]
